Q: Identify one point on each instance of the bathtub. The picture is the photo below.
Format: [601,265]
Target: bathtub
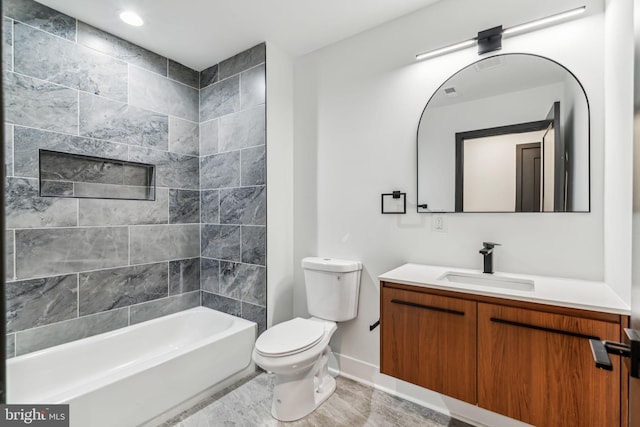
[134,375]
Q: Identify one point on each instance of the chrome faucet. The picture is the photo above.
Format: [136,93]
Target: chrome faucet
[487,253]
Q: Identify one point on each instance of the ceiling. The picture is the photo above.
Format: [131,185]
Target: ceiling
[200,33]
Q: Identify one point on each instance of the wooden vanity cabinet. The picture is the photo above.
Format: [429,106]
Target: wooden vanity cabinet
[537,367]
[430,341]
[534,362]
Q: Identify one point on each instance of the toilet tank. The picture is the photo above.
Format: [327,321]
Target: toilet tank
[333,287]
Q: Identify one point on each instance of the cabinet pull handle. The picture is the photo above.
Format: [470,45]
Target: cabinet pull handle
[542,328]
[428,307]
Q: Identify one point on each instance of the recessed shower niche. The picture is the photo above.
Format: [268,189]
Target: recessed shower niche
[73,175]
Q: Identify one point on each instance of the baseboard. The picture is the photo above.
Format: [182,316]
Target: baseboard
[369,374]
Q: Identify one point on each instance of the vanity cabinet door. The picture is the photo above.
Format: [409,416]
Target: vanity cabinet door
[537,367]
[430,341]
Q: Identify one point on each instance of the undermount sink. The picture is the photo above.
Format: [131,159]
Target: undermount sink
[481,279]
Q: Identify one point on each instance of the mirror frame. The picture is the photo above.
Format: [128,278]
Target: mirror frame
[420,207]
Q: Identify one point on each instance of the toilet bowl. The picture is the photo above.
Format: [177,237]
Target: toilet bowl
[297,352]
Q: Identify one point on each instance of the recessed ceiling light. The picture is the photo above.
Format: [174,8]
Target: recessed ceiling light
[131,18]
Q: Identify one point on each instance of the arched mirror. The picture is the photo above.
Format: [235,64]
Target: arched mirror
[508,133]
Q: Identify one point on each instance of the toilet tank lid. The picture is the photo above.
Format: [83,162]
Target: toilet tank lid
[330,264]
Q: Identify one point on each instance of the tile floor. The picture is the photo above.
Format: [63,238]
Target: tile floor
[353,405]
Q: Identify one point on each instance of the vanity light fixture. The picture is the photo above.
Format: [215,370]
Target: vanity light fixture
[131,18]
[491,39]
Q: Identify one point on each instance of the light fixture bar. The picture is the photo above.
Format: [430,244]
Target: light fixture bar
[506,32]
[544,21]
[446,49]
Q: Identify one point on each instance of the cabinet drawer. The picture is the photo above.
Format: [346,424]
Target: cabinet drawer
[537,367]
[430,341]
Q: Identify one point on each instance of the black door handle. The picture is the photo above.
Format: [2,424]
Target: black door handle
[542,328]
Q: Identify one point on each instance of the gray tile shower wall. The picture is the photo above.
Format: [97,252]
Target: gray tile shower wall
[233,186]
[78,267]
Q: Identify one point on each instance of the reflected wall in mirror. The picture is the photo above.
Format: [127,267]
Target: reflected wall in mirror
[508,133]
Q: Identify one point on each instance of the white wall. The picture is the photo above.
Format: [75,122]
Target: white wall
[618,155]
[357,106]
[490,171]
[280,189]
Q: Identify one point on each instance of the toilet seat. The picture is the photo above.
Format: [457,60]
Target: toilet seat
[290,337]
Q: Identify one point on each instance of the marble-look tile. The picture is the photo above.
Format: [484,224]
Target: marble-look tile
[36,103]
[151,243]
[121,49]
[252,87]
[8,149]
[120,287]
[244,282]
[184,74]
[184,136]
[184,206]
[208,76]
[41,55]
[252,166]
[242,130]
[210,275]
[246,206]
[38,302]
[125,212]
[220,303]
[153,92]
[70,330]
[26,209]
[220,98]
[172,169]
[210,207]
[184,276]
[45,252]
[9,244]
[221,242]
[56,188]
[209,137]
[56,166]
[103,118]
[254,244]
[10,346]
[220,170]
[163,307]
[42,17]
[7,44]
[242,61]
[28,141]
[257,314]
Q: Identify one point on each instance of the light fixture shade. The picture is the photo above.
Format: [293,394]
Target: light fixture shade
[131,18]
[544,21]
[446,49]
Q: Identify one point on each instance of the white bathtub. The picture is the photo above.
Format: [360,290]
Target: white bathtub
[131,376]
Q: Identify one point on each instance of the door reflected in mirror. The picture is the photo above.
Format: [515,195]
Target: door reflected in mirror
[509,133]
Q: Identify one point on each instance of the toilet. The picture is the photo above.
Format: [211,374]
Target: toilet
[297,351]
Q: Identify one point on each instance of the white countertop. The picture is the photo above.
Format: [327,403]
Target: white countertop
[582,294]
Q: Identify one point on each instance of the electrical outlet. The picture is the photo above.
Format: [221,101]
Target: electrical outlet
[438,223]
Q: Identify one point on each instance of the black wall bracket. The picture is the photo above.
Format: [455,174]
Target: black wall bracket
[490,40]
[602,349]
[375,325]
